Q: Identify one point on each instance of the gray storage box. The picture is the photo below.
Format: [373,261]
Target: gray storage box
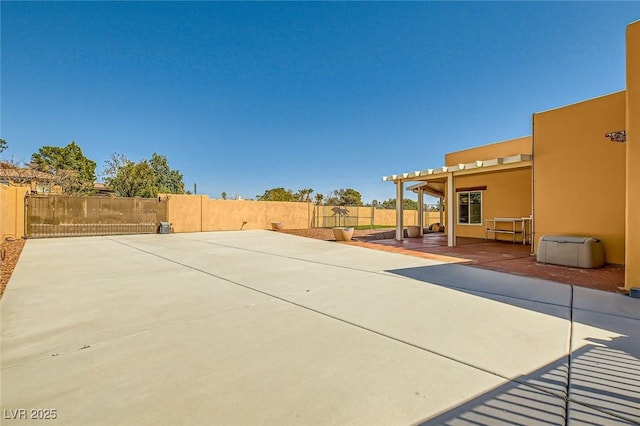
[164,228]
[580,252]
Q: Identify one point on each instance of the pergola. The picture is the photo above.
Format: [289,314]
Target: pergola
[441,181]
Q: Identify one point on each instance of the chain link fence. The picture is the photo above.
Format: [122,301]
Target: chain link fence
[367,216]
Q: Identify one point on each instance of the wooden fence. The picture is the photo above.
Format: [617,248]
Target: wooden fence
[65,216]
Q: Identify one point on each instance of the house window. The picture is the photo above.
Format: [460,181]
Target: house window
[42,188]
[470,208]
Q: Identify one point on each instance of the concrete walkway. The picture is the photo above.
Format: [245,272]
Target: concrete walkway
[258,327]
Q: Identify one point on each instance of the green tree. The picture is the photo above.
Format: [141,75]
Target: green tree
[303,194]
[407,204]
[3,145]
[146,178]
[224,195]
[342,197]
[319,198]
[134,180]
[73,171]
[168,181]
[276,194]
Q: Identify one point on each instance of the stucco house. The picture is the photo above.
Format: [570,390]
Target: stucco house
[576,174]
[38,182]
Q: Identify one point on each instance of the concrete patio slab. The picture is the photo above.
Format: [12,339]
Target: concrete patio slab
[67,293]
[366,295]
[506,405]
[605,367]
[580,415]
[269,363]
[258,326]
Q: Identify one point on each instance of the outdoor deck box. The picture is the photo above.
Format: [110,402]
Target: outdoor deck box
[579,252]
[164,228]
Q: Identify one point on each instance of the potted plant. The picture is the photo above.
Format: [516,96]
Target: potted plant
[413,231]
[343,233]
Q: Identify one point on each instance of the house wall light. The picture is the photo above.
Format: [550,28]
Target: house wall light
[619,136]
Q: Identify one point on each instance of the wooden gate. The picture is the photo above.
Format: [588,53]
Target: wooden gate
[67,216]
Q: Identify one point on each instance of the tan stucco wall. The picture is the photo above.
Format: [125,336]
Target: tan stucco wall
[508,194]
[12,210]
[579,174]
[410,217]
[230,214]
[357,216]
[194,213]
[487,152]
[184,212]
[632,266]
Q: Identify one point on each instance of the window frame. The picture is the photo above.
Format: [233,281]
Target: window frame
[468,193]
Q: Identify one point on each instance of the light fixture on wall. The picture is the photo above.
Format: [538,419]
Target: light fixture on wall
[619,136]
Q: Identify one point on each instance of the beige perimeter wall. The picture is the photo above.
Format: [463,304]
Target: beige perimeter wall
[12,211]
[410,217]
[579,174]
[195,213]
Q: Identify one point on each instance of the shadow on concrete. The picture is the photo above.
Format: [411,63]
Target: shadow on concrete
[519,291]
[605,377]
[595,400]
[604,374]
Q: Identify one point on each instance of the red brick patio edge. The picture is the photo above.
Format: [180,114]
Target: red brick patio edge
[448,259]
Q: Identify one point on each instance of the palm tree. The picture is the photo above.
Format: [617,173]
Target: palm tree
[304,194]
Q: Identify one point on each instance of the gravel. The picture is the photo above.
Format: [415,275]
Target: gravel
[9,254]
[358,235]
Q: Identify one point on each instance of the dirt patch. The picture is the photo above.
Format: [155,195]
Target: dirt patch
[9,255]
[326,234]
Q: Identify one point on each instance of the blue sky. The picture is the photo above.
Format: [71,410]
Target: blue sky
[243,97]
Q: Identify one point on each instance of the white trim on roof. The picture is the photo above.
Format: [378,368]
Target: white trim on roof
[480,166]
